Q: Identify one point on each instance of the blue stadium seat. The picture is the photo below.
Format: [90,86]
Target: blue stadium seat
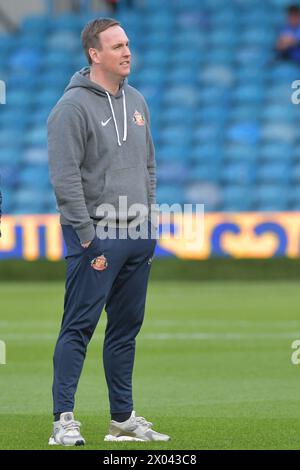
[25,58]
[47,98]
[278,172]
[172,134]
[277,92]
[34,176]
[281,3]
[245,132]
[19,98]
[181,74]
[39,116]
[221,17]
[10,157]
[212,94]
[207,193]
[158,21]
[251,73]
[270,197]
[222,74]
[181,94]
[11,138]
[295,173]
[251,54]
[150,76]
[240,152]
[17,82]
[284,71]
[281,130]
[183,5]
[294,197]
[35,155]
[38,24]
[238,173]
[67,22]
[190,36]
[29,201]
[37,136]
[210,114]
[152,94]
[248,93]
[210,151]
[64,41]
[172,172]
[280,112]
[155,38]
[258,36]
[11,118]
[170,194]
[208,171]
[7,200]
[8,43]
[222,37]
[55,79]
[154,58]
[276,151]
[245,112]
[172,115]
[296,152]
[189,59]
[235,197]
[207,132]
[57,58]
[173,152]
[221,55]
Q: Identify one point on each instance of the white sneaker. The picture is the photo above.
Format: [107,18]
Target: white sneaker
[66,431]
[135,428]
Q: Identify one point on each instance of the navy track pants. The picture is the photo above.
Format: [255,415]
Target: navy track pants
[120,288]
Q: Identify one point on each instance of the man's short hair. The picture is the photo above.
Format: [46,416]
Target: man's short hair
[293,10]
[90,34]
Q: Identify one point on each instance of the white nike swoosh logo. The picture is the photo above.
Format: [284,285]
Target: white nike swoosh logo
[105,122]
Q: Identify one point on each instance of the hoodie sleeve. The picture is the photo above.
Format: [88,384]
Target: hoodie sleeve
[151,164]
[67,137]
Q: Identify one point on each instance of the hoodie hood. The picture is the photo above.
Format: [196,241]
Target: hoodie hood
[81,80]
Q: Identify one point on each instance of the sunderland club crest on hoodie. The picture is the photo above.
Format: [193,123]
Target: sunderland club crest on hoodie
[139,119]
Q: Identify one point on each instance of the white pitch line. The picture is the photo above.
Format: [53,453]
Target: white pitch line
[218,336]
[165,323]
[231,336]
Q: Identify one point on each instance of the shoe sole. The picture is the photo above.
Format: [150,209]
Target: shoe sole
[111,438]
[52,442]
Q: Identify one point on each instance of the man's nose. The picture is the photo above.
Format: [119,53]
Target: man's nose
[127,51]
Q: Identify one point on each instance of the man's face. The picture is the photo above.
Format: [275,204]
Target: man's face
[114,55]
[294,19]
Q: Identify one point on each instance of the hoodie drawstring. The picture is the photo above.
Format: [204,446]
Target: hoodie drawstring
[125,117]
[114,118]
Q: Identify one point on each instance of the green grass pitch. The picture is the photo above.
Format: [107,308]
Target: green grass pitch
[213,367]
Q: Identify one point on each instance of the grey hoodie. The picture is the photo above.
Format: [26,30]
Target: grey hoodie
[100,147]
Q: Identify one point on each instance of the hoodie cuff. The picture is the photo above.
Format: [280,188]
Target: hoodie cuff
[87,233]
[154,215]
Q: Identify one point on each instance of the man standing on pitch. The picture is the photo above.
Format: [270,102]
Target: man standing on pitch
[100,149]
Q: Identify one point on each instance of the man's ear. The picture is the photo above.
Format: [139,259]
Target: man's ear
[94,55]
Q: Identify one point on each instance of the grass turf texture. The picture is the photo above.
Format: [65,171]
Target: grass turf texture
[213,367]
